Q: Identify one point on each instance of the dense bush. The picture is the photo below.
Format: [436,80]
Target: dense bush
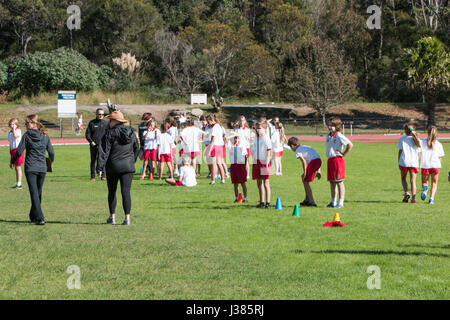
[3,75]
[61,69]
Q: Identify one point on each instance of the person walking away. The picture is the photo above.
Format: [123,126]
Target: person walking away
[36,142]
[118,153]
[94,134]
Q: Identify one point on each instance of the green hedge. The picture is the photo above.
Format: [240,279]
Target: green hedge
[3,76]
[61,69]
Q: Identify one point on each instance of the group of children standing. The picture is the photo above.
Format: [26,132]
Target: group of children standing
[264,144]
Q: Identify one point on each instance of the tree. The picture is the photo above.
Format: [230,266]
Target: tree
[178,60]
[428,67]
[319,76]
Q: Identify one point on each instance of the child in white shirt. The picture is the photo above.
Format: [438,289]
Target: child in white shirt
[165,143]
[238,159]
[430,162]
[14,137]
[408,160]
[187,174]
[150,152]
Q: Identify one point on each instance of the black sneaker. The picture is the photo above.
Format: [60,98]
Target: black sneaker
[260,205]
[311,204]
[39,222]
[304,202]
[267,206]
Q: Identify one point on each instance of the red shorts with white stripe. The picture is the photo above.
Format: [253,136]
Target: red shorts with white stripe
[19,161]
[165,158]
[149,155]
[238,173]
[408,169]
[336,169]
[311,169]
[430,171]
[260,171]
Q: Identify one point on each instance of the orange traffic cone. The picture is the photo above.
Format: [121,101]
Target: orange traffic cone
[240,200]
[336,217]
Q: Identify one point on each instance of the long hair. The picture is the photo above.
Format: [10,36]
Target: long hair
[410,130]
[13,121]
[432,136]
[279,126]
[34,118]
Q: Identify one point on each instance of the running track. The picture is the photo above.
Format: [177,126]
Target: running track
[363,138]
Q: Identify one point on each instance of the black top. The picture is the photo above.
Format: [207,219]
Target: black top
[36,144]
[141,129]
[96,130]
[118,150]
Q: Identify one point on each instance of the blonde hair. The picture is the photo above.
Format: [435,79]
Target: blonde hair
[432,136]
[34,118]
[186,161]
[13,121]
[410,130]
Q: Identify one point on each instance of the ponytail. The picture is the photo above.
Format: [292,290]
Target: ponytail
[34,118]
[410,130]
[432,136]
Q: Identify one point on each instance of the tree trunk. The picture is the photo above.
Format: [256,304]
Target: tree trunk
[324,119]
[431,106]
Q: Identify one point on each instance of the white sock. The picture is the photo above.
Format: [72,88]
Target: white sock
[19,184]
[341,202]
[334,201]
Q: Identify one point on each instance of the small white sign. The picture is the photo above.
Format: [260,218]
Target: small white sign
[198,98]
[67,104]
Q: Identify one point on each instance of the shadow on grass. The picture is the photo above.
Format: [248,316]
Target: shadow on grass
[372,201]
[438,246]
[382,252]
[51,222]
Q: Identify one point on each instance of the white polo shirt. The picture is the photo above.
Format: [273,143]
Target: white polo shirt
[191,136]
[410,152]
[336,143]
[187,175]
[217,132]
[237,153]
[276,141]
[165,143]
[306,153]
[150,141]
[430,157]
[259,148]
[244,136]
[207,137]
[173,131]
[14,142]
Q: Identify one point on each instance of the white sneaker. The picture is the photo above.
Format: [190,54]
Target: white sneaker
[222,182]
[126,222]
[212,182]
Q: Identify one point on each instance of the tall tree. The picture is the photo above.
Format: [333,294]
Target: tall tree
[428,66]
[319,76]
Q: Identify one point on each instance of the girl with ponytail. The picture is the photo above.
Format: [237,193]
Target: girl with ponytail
[408,160]
[432,153]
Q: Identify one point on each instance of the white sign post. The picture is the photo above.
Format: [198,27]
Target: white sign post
[67,106]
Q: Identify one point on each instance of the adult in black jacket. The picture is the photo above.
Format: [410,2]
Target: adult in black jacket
[146,117]
[118,153]
[94,134]
[36,142]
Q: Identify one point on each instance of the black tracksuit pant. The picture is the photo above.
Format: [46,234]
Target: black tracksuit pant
[94,159]
[35,182]
[125,186]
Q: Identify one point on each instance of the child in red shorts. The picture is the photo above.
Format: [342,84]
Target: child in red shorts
[408,160]
[165,143]
[238,159]
[14,137]
[311,166]
[150,148]
[336,163]
[261,147]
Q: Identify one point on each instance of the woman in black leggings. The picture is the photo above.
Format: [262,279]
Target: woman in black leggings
[117,154]
[36,142]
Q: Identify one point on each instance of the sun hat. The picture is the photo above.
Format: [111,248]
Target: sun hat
[116,115]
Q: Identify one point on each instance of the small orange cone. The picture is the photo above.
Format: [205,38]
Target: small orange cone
[336,217]
[240,200]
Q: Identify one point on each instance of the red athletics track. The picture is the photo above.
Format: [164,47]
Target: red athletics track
[361,138]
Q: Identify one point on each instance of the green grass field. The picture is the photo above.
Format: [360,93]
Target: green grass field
[197,244]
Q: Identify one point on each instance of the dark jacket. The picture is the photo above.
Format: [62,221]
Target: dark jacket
[96,130]
[118,150]
[141,129]
[36,143]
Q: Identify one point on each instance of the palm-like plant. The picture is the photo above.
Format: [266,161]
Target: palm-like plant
[428,68]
